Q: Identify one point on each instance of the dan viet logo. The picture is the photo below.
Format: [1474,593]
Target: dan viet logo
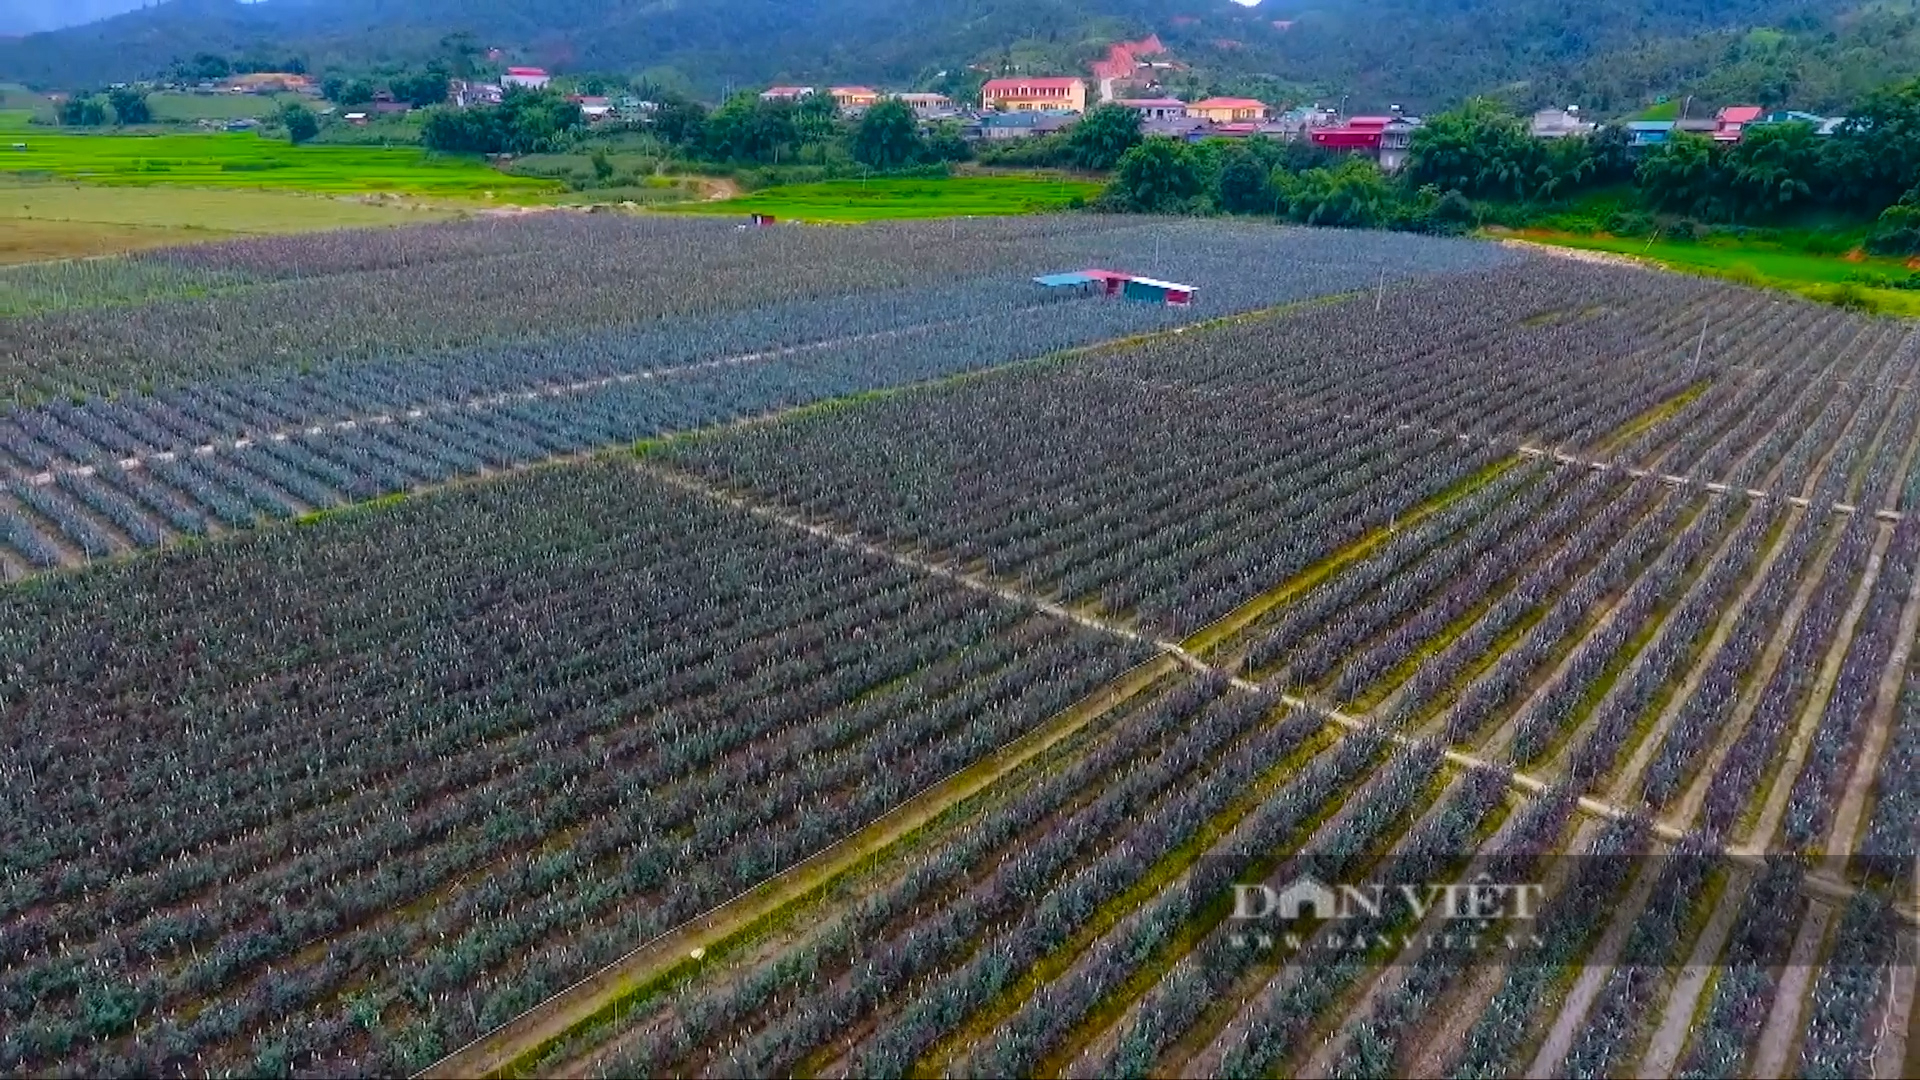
[1358,915]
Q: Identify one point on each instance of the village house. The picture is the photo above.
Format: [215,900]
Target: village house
[1228,110]
[527,78]
[593,108]
[1035,95]
[1160,108]
[786,93]
[466,95]
[995,127]
[1730,122]
[854,97]
[1386,139]
[927,106]
[1560,123]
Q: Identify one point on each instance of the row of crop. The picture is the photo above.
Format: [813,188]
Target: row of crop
[1752,753]
[1693,615]
[1835,745]
[1656,948]
[1719,689]
[1309,615]
[1278,1021]
[1571,688]
[1756,421]
[1375,815]
[1890,849]
[1484,589]
[1557,940]
[1853,990]
[1361,619]
[957,957]
[1007,844]
[1746,976]
[1052,920]
[1573,607]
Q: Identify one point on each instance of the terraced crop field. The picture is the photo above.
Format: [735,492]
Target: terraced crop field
[610,647]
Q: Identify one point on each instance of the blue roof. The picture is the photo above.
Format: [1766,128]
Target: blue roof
[1055,281]
[1650,125]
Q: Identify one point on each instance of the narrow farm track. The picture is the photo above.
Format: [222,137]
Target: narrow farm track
[1780,1037]
[1669,1039]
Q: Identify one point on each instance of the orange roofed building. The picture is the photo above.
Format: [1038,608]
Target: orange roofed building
[1228,110]
[1035,95]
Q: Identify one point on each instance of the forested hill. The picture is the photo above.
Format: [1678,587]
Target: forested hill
[1423,53]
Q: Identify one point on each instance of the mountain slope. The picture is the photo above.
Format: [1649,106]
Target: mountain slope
[1421,53]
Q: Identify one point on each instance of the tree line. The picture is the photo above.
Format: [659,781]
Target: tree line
[1479,164]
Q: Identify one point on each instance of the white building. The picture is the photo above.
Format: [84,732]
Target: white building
[529,78]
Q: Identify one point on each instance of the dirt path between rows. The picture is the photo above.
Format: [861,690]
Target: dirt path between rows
[1781,1035]
[1669,1040]
[1572,1016]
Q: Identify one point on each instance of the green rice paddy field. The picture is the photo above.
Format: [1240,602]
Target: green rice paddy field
[244,160]
[896,199]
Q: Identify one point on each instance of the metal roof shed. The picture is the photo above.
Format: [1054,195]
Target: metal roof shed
[1158,292]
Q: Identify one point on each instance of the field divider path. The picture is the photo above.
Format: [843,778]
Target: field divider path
[1714,486]
[1185,655]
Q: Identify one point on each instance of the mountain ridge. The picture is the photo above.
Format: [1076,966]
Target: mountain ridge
[1424,53]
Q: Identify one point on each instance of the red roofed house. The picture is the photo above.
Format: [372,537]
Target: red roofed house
[1228,110]
[530,78]
[854,97]
[1034,95]
[1731,122]
[1384,138]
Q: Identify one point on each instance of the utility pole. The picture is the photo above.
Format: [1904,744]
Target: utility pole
[1380,298]
[1701,347]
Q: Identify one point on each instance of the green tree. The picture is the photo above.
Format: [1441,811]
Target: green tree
[602,166]
[1479,149]
[680,123]
[888,136]
[352,92]
[947,144]
[1772,169]
[816,119]
[1353,194]
[1244,183]
[299,121]
[1103,136]
[420,89]
[82,111]
[129,106]
[1160,175]
[1682,176]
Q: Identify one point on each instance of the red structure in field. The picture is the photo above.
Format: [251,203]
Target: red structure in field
[1127,286]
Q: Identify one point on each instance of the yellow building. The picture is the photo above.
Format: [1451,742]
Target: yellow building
[1227,110]
[1034,95]
[854,97]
